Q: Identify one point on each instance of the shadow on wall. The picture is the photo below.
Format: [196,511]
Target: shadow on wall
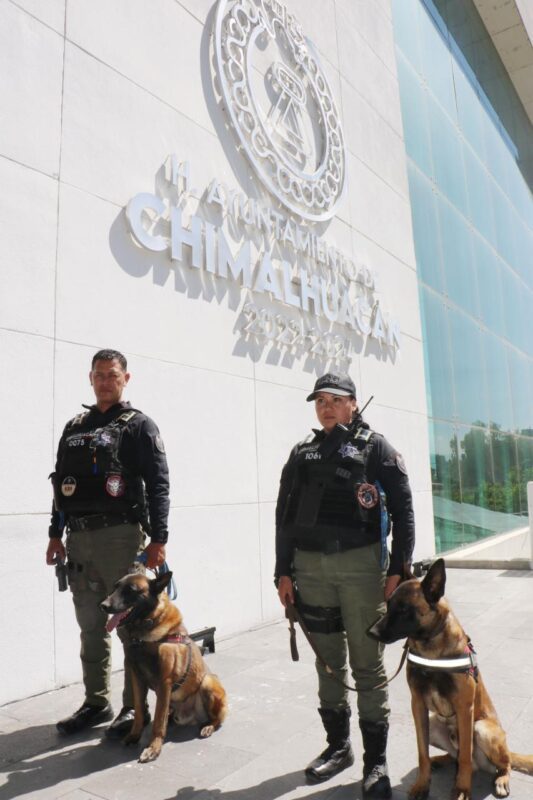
[262,334]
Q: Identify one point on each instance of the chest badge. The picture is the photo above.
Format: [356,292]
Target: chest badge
[348,451]
[115,485]
[367,495]
[68,486]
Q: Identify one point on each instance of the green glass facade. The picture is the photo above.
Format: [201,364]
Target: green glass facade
[469,150]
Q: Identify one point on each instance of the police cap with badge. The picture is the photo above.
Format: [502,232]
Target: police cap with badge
[338,383]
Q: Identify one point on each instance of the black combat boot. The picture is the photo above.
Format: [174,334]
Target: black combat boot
[376,781]
[338,754]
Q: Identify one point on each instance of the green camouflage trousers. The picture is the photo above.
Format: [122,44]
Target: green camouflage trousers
[354,581]
[96,560]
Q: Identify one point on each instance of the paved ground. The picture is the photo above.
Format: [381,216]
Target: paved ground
[273,728]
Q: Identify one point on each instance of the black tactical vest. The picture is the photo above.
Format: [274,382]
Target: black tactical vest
[331,498]
[90,477]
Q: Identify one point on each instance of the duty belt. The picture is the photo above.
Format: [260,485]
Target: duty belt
[330,546]
[92,522]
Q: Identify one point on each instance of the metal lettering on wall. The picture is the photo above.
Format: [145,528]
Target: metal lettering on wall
[328,303]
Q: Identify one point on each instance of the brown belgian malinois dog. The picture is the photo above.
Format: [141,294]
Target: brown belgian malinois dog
[162,657]
[443,678]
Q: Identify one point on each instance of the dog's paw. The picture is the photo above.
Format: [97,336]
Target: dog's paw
[418,791]
[501,786]
[207,730]
[149,754]
[461,794]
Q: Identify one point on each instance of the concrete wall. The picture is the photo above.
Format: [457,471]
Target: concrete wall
[95,96]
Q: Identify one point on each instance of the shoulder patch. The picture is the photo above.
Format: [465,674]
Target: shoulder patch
[396,460]
[159,443]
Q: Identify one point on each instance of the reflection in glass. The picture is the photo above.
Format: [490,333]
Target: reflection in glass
[498,385]
[469,145]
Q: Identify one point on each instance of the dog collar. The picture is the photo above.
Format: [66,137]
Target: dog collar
[466,663]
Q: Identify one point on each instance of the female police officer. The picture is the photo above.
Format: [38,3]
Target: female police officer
[339,491]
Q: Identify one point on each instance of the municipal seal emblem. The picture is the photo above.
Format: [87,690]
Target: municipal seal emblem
[280,105]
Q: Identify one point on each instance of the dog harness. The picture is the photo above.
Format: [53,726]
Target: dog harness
[466,663]
[180,638]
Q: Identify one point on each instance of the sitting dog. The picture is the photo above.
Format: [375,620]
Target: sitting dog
[443,678]
[162,657]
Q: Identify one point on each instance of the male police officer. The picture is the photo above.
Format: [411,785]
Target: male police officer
[110,487]
[339,490]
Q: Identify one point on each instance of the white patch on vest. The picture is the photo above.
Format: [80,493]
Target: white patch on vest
[115,485]
[68,486]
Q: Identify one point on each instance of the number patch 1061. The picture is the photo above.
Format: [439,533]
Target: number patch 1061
[294,334]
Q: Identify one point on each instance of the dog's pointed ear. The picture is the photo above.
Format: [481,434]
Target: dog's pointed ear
[160,583]
[435,581]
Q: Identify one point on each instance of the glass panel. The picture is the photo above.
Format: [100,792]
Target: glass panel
[446,487]
[504,492]
[479,206]
[516,324]
[447,157]
[490,289]
[470,145]
[503,225]
[436,60]
[520,375]
[475,466]
[405,19]
[414,116]
[498,386]
[525,466]
[468,111]
[468,369]
[438,363]
[458,263]
[497,153]
[524,251]
[425,229]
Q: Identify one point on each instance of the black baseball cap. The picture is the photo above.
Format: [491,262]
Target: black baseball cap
[334,383]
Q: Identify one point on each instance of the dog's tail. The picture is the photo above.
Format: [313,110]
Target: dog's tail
[522,763]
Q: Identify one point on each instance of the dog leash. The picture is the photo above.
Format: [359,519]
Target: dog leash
[293,615]
[402,662]
[172,592]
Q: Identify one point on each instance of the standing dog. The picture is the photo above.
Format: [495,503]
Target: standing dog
[162,657]
[443,678]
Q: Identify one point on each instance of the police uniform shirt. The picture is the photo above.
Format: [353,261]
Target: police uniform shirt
[141,453]
[385,465]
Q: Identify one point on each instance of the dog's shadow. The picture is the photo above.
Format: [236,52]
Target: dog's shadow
[35,758]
